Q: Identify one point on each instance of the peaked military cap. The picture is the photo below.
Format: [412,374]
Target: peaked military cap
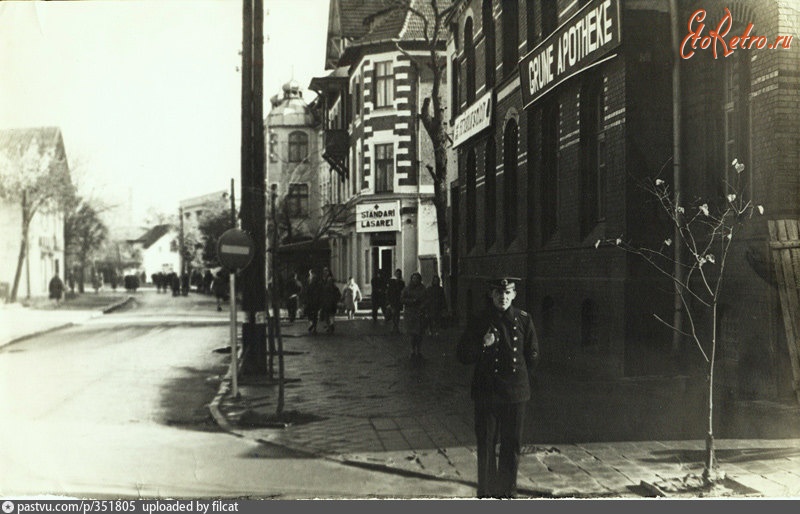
[503,284]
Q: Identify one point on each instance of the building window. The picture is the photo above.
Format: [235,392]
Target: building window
[549,17]
[297,200]
[490,198]
[471,173]
[549,189]
[487,20]
[384,84]
[510,185]
[357,88]
[298,146]
[737,122]
[469,61]
[530,23]
[454,91]
[384,168]
[510,20]
[593,166]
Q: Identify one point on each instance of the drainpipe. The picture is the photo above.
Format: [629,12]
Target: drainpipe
[677,321]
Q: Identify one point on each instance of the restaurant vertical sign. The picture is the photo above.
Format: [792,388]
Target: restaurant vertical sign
[577,44]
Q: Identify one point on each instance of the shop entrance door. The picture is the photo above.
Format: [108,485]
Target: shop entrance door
[383,259]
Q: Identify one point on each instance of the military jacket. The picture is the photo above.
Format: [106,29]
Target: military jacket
[503,370]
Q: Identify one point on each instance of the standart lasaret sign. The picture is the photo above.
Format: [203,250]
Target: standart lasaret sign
[378,217]
[577,44]
[477,117]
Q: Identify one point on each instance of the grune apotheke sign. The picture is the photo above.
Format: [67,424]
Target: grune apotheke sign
[579,43]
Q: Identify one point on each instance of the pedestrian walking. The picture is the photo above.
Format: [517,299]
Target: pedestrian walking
[394,289]
[221,286]
[329,301]
[313,297]
[351,295]
[501,342]
[175,283]
[412,298]
[293,290]
[378,284]
[56,288]
[435,304]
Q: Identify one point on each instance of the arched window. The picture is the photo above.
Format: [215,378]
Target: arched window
[298,146]
[490,198]
[469,60]
[510,185]
[510,19]
[454,101]
[549,17]
[471,192]
[549,188]
[593,166]
[487,21]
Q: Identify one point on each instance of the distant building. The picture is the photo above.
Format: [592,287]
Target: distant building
[294,168]
[45,252]
[193,210]
[159,250]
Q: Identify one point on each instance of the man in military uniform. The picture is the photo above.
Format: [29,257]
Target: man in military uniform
[501,343]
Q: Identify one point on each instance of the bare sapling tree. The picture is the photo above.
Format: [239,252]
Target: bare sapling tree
[706,233]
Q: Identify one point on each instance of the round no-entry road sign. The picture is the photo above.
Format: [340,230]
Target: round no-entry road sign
[235,249]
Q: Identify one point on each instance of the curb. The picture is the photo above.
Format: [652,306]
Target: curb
[107,310]
[118,305]
[25,337]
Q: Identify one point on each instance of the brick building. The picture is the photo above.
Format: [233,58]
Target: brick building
[374,141]
[564,108]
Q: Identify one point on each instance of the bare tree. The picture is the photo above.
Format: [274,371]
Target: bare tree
[84,234]
[432,111]
[707,232]
[38,179]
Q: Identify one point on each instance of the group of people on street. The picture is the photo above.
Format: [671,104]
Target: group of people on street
[422,306]
[321,300]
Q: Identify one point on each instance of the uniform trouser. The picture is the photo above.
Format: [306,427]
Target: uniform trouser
[498,422]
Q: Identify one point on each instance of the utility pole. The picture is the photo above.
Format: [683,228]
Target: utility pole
[253,209]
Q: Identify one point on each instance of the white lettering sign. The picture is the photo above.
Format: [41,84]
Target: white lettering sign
[477,117]
[378,217]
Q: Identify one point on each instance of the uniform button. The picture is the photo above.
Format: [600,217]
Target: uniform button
[515,359]
[515,348]
[515,338]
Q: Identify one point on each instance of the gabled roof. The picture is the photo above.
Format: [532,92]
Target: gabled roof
[395,24]
[47,137]
[154,234]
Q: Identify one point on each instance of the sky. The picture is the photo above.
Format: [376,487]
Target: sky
[148,93]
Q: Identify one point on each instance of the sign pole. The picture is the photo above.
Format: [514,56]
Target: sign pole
[234,348]
[235,251]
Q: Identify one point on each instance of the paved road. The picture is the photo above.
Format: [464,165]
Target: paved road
[117,406]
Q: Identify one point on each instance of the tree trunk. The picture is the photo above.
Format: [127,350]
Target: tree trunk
[710,460]
[23,247]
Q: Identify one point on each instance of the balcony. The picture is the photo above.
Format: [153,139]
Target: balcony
[337,146]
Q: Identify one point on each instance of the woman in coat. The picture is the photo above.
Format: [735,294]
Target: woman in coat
[350,297]
[330,300]
[413,300]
